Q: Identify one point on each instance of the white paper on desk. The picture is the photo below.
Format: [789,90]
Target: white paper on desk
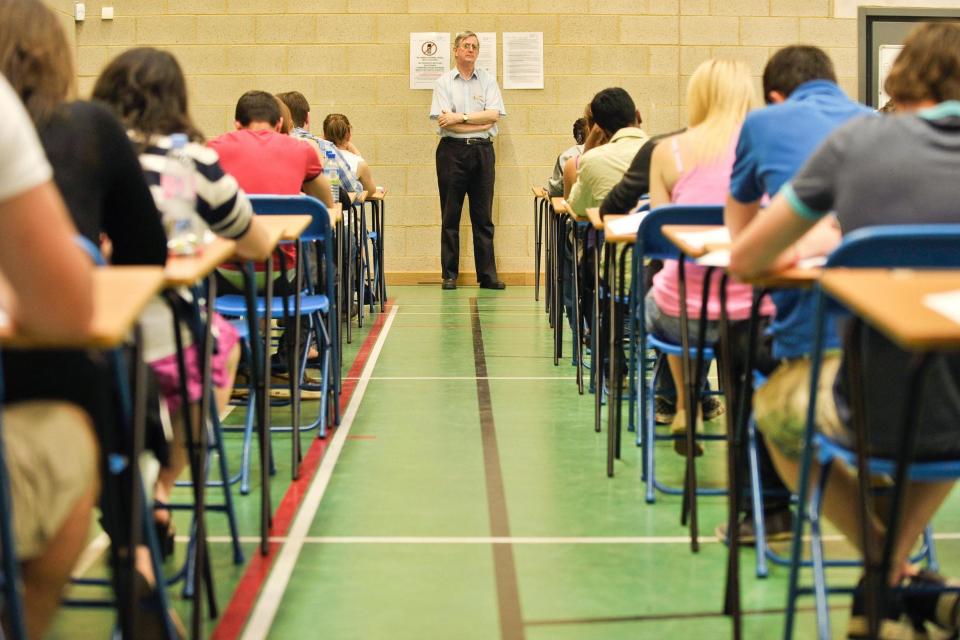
[946,304]
[627,225]
[700,239]
[719,258]
[813,262]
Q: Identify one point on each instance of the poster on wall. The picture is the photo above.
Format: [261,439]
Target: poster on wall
[429,58]
[487,60]
[523,60]
[887,55]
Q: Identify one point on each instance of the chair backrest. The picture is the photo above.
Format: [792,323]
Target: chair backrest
[319,228]
[651,242]
[919,246]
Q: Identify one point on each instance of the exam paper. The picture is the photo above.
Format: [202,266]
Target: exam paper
[626,225]
[719,258]
[946,304]
[701,239]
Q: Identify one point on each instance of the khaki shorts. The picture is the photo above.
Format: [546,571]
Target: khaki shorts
[52,462]
[780,405]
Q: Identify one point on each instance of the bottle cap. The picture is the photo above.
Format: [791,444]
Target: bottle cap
[178,140]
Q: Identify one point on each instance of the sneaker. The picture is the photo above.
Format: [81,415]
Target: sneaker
[925,604]
[663,410]
[712,407]
[778,525]
[894,624]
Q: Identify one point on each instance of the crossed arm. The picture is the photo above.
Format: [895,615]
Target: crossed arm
[478,121]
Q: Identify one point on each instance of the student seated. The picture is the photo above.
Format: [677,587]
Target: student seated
[571,166]
[338,130]
[555,182]
[264,161]
[98,174]
[51,450]
[871,171]
[694,168]
[146,89]
[300,114]
[806,105]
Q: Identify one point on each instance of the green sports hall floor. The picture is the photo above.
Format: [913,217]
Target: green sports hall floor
[442,520]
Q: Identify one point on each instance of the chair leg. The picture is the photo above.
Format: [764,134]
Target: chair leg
[756,495]
[816,554]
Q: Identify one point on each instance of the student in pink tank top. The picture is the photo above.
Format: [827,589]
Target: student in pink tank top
[694,167]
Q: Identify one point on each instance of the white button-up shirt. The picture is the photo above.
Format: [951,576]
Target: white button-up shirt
[454,94]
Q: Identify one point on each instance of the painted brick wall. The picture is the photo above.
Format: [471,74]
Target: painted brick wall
[352,55]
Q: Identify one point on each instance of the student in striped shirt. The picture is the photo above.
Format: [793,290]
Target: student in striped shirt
[145,87]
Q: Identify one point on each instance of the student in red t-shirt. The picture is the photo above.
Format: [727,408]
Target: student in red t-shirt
[264,161]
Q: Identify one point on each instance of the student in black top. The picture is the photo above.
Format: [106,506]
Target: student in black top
[97,172]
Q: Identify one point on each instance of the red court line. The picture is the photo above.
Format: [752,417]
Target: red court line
[235,615]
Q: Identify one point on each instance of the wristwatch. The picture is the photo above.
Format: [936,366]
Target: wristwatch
[465,118]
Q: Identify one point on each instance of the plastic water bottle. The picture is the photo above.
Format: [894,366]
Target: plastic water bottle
[333,175]
[178,184]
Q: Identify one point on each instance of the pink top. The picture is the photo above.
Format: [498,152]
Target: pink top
[703,184]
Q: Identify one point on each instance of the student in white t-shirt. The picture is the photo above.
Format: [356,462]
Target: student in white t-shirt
[337,129]
[46,290]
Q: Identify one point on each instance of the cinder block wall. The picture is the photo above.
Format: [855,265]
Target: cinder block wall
[351,56]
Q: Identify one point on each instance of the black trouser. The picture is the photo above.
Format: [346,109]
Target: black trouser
[466,169]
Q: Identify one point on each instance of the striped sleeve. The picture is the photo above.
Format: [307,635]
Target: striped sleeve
[220,201]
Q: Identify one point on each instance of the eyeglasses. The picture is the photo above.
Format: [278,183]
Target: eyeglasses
[470,47]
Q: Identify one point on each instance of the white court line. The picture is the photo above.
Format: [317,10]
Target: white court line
[473,540]
[566,378]
[276,585]
[528,314]
[91,554]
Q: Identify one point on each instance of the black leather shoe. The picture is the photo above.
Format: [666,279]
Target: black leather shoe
[449,284]
[495,284]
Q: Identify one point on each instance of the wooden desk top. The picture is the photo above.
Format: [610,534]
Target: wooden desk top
[336,213]
[377,196]
[593,215]
[293,224]
[277,226]
[677,234]
[792,278]
[539,192]
[119,295]
[559,205]
[183,271]
[353,195]
[891,300]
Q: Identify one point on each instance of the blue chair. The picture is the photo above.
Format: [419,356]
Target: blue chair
[652,244]
[317,303]
[907,246]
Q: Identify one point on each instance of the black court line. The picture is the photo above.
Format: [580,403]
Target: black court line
[663,617]
[505,571]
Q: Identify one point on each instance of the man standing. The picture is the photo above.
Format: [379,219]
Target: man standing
[466,105]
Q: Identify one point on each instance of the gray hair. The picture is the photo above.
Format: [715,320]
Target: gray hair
[463,35]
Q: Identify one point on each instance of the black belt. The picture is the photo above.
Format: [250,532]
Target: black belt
[467,140]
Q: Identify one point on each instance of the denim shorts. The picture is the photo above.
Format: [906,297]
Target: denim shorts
[667,327]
